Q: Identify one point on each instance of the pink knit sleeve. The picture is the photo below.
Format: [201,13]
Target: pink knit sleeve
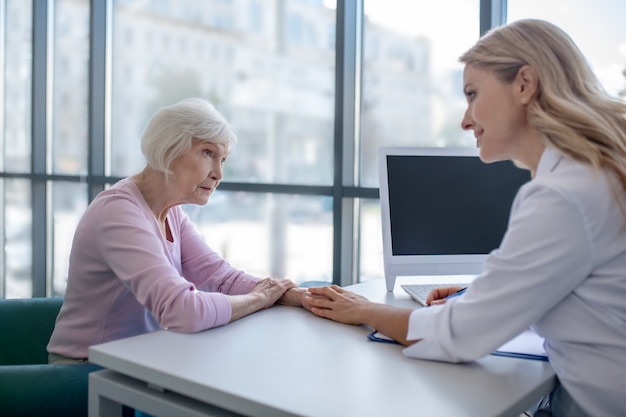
[132,245]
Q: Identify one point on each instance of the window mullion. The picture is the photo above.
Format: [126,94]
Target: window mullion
[347,99]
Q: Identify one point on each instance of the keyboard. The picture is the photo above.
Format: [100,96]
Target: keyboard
[419,292]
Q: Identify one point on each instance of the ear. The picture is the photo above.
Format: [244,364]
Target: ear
[525,84]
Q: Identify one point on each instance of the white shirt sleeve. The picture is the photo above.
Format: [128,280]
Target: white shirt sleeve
[544,255]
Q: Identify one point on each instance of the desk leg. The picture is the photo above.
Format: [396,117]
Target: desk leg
[99,404]
[109,390]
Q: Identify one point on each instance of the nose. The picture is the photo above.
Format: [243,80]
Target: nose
[467,123]
[216,172]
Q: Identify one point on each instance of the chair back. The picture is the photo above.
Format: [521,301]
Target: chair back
[25,328]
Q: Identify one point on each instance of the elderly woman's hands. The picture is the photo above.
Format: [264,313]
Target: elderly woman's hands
[272,289]
[298,297]
[264,294]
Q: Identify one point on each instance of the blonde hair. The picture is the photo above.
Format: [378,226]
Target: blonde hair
[570,106]
[172,129]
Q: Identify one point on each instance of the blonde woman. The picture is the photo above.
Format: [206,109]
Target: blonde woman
[561,267]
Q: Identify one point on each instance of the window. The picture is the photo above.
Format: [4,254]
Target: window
[17,254]
[70,87]
[270,234]
[15,116]
[69,146]
[68,205]
[16,107]
[273,95]
[412,91]
[310,96]
[597,27]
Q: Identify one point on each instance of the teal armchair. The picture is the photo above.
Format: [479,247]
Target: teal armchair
[29,386]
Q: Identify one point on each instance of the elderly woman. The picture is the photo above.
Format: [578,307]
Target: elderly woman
[138,264]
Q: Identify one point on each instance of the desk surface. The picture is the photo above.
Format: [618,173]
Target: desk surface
[284,361]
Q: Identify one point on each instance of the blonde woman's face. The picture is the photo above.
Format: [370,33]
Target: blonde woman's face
[495,114]
[197,173]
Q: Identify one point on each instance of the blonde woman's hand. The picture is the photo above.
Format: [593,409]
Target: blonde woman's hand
[297,297]
[335,303]
[438,295]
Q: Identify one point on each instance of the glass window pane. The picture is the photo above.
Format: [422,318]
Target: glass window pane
[17,226]
[371,244]
[597,27]
[269,234]
[70,87]
[16,133]
[69,202]
[267,66]
[412,92]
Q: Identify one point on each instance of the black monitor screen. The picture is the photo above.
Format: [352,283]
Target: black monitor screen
[449,205]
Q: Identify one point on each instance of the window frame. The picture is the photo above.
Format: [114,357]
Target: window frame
[345,190]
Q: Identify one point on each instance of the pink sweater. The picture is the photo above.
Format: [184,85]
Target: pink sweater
[125,278]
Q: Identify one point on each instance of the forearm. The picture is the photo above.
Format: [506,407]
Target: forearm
[336,303]
[293,297]
[265,293]
[244,304]
[389,320]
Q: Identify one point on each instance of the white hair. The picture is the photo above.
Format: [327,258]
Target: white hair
[172,129]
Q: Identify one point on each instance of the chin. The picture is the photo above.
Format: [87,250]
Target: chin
[198,201]
[484,156]
[490,159]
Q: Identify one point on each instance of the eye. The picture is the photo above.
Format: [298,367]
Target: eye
[470,94]
[223,161]
[208,152]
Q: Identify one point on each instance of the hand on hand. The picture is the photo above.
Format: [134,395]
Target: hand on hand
[438,295]
[272,289]
[307,296]
[297,297]
[335,303]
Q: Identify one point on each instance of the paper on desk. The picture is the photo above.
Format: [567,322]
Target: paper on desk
[528,345]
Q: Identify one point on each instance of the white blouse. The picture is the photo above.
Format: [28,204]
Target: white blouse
[561,268]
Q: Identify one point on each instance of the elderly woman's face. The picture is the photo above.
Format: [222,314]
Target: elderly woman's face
[198,172]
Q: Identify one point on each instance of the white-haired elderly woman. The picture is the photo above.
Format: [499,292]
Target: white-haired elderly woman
[137,263]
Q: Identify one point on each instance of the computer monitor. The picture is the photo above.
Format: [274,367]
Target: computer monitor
[443,210]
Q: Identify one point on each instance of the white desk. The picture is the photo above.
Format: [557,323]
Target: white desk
[286,362]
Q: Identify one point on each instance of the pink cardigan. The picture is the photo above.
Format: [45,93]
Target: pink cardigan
[125,278]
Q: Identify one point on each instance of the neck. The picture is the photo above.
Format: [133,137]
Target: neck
[533,147]
[153,186]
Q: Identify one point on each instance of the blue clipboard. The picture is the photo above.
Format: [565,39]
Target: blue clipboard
[526,345]
[375,336]
[521,355]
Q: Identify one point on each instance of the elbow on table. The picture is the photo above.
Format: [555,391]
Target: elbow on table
[182,326]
